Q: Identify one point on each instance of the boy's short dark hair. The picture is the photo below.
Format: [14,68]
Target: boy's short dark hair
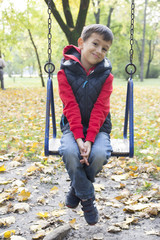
[97,28]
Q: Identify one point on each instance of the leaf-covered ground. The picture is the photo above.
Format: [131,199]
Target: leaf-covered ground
[33,187]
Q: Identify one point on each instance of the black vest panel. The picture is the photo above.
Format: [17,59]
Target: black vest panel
[86,90]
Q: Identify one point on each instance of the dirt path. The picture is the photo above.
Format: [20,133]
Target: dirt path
[128,199]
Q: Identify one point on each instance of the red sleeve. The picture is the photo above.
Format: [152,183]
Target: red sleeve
[100,110]
[71,108]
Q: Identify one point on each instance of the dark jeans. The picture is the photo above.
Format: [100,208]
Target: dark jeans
[82,176]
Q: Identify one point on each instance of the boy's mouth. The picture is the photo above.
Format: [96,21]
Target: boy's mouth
[95,55]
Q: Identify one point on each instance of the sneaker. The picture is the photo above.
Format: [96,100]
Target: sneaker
[72,200]
[90,211]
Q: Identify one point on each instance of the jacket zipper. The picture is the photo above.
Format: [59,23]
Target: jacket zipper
[86,98]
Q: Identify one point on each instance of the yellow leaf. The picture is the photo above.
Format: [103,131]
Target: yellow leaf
[72,222]
[158,168]
[8,234]
[54,189]
[2,168]
[32,169]
[119,197]
[133,168]
[35,144]
[122,185]
[23,196]
[61,205]
[43,215]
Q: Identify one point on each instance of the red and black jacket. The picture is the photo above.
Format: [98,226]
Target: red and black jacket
[85,95]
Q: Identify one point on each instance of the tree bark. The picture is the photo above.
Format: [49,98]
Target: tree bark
[72,32]
[109,16]
[138,51]
[97,14]
[143,42]
[68,14]
[39,64]
[151,54]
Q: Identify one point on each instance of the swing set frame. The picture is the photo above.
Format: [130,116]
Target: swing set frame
[121,147]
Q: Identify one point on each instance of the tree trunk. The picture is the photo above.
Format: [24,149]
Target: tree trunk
[96,14]
[143,42]
[109,16]
[151,54]
[138,51]
[39,64]
[71,31]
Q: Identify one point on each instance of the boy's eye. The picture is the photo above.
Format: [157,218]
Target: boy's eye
[94,43]
[104,49]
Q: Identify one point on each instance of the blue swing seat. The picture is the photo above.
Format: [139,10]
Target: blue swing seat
[121,147]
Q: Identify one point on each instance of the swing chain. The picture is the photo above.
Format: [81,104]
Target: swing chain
[131,42]
[49,31]
[49,66]
[132,31]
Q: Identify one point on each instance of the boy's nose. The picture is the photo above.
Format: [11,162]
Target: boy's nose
[99,49]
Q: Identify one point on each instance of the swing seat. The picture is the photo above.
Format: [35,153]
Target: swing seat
[121,147]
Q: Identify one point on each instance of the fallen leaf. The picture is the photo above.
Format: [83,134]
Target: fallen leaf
[43,215]
[99,187]
[136,207]
[61,205]
[39,235]
[54,190]
[23,195]
[122,225]
[121,177]
[2,168]
[152,211]
[114,229]
[9,233]
[16,237]
[21,207]
[153,232]
[7,221]
[32,169]
[5,182]
[58,213]
[4,197]
[72,222]
[18,183]
[133,168]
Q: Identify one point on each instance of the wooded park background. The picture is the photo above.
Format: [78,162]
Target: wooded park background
[24,32]
[127,189]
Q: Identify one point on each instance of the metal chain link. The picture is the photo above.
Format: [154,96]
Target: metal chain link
[132,31]
[49,66]
[130,67]
[49,31]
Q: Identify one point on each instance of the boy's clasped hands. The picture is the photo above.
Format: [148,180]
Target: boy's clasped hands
[85,149]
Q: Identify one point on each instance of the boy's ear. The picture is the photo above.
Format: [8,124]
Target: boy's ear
[80,43]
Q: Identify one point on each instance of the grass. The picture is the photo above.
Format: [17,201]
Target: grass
[23,116]
[25,82]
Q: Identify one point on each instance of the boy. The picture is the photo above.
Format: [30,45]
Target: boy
[85,86]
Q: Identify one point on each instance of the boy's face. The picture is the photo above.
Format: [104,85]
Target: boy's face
[93,50]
